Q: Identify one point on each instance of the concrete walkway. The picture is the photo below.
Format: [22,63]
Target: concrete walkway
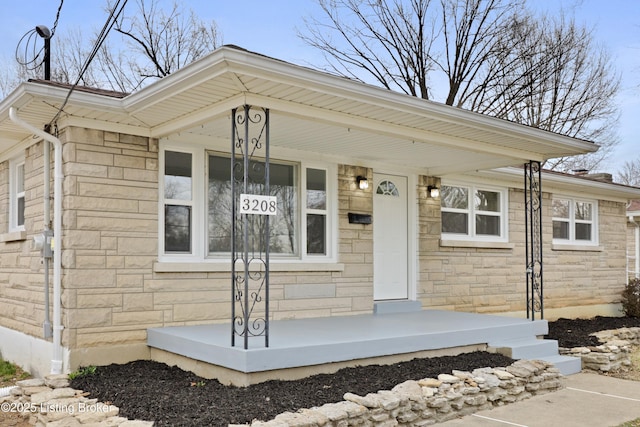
[587,400]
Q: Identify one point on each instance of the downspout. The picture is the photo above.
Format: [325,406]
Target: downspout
[637,254]
[47,230]
[56,361]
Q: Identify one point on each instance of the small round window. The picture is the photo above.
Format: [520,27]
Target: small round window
[387,188]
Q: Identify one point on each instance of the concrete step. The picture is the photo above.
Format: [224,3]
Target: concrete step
[400,306]
[537,349]
[567,365]
[527,348]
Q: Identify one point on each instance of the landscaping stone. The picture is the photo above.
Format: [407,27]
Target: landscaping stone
[50,402]
[612,354]
[448,397]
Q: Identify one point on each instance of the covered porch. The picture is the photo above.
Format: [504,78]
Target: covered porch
[303,347]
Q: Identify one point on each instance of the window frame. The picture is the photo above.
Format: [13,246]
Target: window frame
[472,213]
[200,233]
[15,166]
[572,221]
[193,203]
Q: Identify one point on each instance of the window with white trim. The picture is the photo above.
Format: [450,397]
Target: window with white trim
[178,202]
[473,213]
[17,195]
[574,220]
[301,229]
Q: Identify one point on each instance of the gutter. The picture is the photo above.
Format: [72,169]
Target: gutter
[56,361]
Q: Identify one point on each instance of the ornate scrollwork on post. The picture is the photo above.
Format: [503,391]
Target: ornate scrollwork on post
[533,238]
[250,232]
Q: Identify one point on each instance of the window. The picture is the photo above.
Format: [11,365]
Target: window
[197,220]
[284,234]
[178,202]
[316,211]
[17,193]
[469,212]
[574,221]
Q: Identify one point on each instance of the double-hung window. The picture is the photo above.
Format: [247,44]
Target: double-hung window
[473,213]
[17,193]
[178,202]
[301,228]
[574,220]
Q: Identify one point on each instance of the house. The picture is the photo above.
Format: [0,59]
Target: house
[384,202]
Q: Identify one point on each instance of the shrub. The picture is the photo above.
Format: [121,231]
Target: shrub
[631,298]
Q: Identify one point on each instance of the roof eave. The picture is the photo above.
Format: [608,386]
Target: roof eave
[596,189]
[239,61]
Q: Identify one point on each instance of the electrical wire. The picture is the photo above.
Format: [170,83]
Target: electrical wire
[111,20]
[55,23]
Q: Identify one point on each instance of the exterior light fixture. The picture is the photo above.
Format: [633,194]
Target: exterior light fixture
[433,191]
[363,182]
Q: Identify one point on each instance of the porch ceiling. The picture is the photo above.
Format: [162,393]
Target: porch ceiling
[311,111]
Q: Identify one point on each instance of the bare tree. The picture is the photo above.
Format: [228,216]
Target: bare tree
[165,41]
[493,56]
[147,44]
[10,76]
[560,81]
[629,174]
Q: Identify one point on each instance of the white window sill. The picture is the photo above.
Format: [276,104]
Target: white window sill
[223,267]
[13,236]
[574,247]
[452,243]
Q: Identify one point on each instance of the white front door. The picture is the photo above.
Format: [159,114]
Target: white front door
[390,229]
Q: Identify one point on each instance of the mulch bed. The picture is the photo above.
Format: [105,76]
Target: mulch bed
[576,332]
[172,397]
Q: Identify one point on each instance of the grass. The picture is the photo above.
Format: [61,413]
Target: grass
[10,373]
[632,423]
[7,369]
[83,372]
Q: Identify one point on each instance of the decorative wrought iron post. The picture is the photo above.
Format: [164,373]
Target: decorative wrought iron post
[533,238]
[252,205]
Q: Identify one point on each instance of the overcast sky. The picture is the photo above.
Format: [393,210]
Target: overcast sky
[269,27]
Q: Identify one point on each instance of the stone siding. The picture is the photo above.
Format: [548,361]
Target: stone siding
[111,293]
[21,272]
[110,241]
[487,278]
[114,288]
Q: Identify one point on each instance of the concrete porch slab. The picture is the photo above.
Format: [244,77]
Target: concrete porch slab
[316,341]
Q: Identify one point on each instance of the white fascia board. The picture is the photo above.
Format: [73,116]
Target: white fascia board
[552,181]
[196,73]
[276,70]
[18,98]
[78,98]
[30,92]
[236,61]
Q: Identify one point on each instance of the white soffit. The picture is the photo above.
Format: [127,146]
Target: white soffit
[311,111]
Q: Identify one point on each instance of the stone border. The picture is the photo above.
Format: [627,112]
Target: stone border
[429,401]
[613,354]
[51,402]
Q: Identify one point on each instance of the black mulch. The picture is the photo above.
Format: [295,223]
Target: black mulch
[576,332]
[172,397]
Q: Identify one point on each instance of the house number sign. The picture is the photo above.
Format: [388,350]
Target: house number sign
[254,204]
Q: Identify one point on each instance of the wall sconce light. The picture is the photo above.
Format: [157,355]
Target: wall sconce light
[363,182]
[433,191]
